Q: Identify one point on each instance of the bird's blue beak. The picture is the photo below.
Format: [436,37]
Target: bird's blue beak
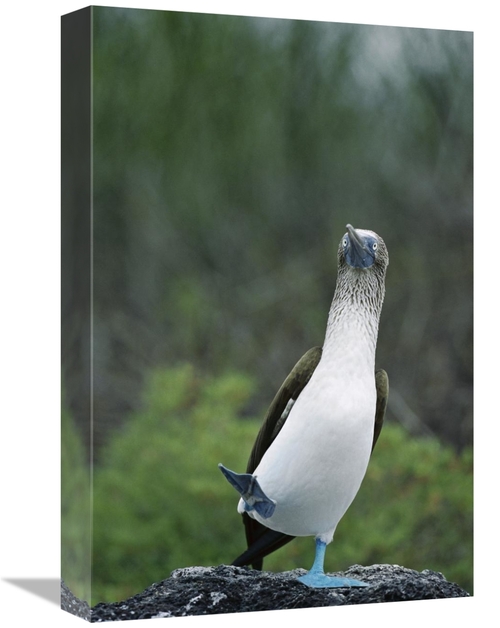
[358,254]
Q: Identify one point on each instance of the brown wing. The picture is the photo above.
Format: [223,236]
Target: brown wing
[274,420]
[382,386]
[260,539]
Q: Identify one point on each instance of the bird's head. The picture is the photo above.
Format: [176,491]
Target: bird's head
[362,249]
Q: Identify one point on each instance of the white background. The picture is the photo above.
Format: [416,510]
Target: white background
[29,306]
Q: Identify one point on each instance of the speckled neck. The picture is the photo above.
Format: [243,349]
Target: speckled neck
[354,316]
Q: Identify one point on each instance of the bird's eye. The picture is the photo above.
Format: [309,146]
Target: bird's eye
[344,242]
[374,246]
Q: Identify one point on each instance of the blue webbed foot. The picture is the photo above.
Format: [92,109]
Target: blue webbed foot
[319,580]
[249,489]
[316,577]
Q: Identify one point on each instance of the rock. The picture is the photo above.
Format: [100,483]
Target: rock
[227,589]
[73,605]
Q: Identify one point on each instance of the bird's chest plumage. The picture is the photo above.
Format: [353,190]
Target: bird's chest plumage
[315,466]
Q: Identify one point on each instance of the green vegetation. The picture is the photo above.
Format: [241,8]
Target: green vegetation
[75,510]
[161,503]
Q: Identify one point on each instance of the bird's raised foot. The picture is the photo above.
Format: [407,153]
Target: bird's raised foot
[319,580]
[249,489]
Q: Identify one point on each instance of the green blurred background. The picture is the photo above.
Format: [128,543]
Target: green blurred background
[228,155]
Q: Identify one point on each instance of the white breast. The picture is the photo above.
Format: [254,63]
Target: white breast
[315,467]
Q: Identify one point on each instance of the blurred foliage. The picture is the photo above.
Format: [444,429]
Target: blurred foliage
[229,153]
[75,510]
[161,503]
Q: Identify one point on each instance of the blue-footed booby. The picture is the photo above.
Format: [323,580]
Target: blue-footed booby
[313,448]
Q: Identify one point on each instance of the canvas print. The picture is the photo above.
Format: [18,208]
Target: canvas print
[266,314]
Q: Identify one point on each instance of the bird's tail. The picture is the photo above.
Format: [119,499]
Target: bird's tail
[263,542]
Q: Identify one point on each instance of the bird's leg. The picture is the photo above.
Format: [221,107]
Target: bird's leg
[316,577]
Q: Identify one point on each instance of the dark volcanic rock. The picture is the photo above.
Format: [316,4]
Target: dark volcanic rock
[227,589]
[72,604]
